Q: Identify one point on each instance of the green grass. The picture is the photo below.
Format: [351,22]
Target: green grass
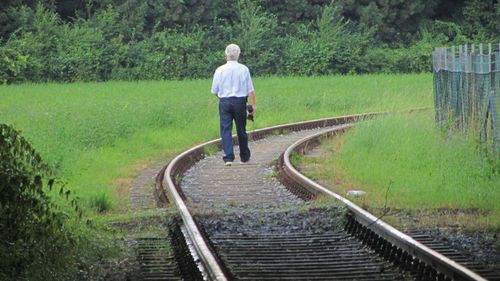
[94,134]
[423,166]
[416,165]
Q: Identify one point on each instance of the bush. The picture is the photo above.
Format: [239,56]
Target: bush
[414,58]
[417,58]
[330,48]
[255,33]
[35,242]
[46,49]
[36,40]
[176,55]
[13,64]
[41,235]
[377,60]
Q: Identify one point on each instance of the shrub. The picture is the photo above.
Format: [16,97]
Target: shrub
[35,242]
[330,48]
[255,33]
[13,64]
[414,58]
[36,40]
[377,60]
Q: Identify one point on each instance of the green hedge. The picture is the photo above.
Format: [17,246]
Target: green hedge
[107,47]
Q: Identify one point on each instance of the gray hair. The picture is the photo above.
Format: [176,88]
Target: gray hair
[232,52]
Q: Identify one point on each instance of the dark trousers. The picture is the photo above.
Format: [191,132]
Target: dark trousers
[233,109]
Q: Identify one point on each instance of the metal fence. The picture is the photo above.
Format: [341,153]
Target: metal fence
[467,90]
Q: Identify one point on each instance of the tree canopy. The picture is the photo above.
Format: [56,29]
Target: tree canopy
[66,40]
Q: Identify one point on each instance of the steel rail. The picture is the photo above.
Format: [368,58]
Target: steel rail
[208,260]
[169,183]
[442,264]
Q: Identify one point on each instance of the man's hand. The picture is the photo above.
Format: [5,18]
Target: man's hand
[251,95]
[250,109]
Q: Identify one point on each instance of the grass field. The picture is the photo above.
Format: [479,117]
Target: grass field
[97,135]
[405,162]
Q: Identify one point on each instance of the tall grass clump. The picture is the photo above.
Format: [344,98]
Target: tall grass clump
[100,202]
[419,165]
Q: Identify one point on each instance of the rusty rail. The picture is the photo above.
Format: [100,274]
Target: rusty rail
[398,244]
[169,183]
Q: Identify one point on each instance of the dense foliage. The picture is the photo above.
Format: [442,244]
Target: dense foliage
[35,239]
[42,234]
[50,40]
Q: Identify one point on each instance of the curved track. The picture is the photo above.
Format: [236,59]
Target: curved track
[243,224]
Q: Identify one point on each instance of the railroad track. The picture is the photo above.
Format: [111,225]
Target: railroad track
[241,223]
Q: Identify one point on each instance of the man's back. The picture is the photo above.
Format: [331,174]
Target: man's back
[232,80]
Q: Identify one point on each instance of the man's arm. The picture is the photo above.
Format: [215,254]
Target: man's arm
[215,84]
[250,90]
[251,94]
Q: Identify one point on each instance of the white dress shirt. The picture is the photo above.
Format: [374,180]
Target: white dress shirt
[232,80]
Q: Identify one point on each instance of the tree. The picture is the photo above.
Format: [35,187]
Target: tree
[481,20]
[8,21]
[395,20]
[330,46]
[254,32]
[294,11]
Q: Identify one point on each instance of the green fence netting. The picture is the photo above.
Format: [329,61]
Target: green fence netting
[467,90]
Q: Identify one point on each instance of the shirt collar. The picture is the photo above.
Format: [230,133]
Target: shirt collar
[232,61]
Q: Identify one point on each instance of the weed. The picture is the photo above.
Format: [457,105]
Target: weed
[210,149]
[178,179]
[295,158]
[100,202]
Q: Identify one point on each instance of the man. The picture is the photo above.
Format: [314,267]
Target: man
[232,84]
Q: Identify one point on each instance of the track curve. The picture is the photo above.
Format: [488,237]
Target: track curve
[376,229]
[228,210]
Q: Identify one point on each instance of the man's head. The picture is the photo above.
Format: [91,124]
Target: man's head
[232,52]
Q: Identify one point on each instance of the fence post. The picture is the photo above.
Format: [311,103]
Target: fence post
[472,93]
[436,63]
[481,58]
[483,116]
[463,85]
[453,87]
[493,106]
[466,87]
